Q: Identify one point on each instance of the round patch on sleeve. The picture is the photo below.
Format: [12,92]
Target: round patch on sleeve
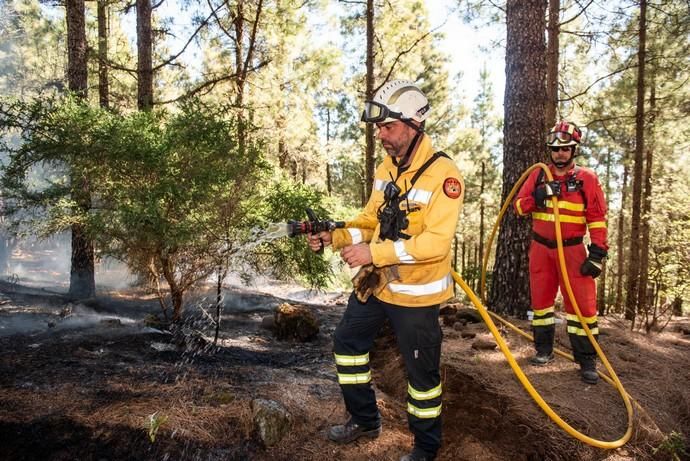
[452,187]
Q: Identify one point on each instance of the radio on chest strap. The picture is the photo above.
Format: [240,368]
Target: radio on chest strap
[572,183]
[391,218]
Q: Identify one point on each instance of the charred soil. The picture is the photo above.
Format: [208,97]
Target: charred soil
[93,382]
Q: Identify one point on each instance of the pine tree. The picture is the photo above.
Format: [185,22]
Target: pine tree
[523,135]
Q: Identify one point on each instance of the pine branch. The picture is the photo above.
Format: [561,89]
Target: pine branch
[192,37]
[211,83]
[252,40]
[222,27]
[582,10]
[604,77]
[404,52]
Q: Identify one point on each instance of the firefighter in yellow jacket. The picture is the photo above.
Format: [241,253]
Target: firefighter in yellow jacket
[402,242]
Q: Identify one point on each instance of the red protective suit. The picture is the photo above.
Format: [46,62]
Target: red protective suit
[581,207]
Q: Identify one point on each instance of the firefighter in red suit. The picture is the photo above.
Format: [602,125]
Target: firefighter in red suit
[582,207]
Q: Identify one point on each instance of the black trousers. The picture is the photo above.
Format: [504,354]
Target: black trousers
[419,338]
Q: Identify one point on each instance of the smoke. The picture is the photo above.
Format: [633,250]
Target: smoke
[46,263]
[22,323]
[261,286]
[58,317]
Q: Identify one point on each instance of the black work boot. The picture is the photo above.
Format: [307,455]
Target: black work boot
[541,358]
[543,344]
[588,371]
[351,431]
[418,455]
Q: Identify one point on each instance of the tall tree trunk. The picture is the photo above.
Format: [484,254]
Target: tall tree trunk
[144,55]
[329,174]
[642,297]
[370,150]
[283,154]
[620,245]
[634,256]
[552,64]
[176,290]
[76,47]
[475,264]
[238,22]
[82,283]
[525,97]
[103,91]
[363,185]
[601,288]
[220,276]
[243,61]
[481,215]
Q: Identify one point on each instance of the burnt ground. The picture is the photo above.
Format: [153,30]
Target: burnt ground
[83,381]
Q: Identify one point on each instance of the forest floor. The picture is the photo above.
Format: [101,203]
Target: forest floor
[85,382]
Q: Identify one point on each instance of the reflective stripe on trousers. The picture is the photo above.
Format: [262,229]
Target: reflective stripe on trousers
[419,339]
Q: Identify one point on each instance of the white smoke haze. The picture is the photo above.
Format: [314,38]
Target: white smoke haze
[54,316]
[287,291]
[46,263]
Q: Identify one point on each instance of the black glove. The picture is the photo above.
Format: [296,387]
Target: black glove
[593,263]
[544,191]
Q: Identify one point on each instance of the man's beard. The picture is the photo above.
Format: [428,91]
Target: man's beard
[563,164]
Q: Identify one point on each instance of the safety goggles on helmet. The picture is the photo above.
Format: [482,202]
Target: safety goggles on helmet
[375,112]
[560,138]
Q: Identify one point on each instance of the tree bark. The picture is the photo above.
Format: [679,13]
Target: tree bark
[177,291]
[370,150]
[525,97]
[144,55]
[222,272]
[82,283]
[76,47]
[240,80]
[601,284]
[103,90]
[552,64]
[642,296]
[329,174]
[481,216]
[243,61]
[634,256]
[620,271]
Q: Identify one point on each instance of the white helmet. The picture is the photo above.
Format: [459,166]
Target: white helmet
[396,100]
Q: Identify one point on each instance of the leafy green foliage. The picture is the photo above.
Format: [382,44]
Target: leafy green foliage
[174,196]
[46,140]
[674,446]
[153,423]
[286,201]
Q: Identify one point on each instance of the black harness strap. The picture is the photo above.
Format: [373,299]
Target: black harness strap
[421,170]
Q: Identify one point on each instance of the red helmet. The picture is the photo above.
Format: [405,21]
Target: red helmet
[564,133]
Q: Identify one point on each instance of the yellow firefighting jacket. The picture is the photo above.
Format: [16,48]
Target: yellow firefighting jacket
[424,260]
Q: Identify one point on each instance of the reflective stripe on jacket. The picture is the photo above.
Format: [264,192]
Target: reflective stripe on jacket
[424,261]
[579,211]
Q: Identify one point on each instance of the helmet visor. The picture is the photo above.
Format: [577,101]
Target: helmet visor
[375,112]
[560,138]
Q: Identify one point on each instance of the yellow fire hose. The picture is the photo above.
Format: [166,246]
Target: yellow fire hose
[486,316]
